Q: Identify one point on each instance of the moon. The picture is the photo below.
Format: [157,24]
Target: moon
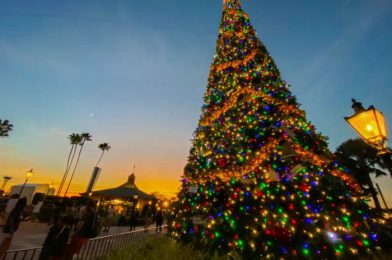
[92,115]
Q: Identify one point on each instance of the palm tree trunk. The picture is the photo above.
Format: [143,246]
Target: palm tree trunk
[66,170]
[69,168]
[74,169]
[100,158]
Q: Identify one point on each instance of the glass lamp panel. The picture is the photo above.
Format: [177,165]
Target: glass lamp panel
[366,125]
[382,124]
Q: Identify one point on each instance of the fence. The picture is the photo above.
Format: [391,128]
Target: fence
[95,247]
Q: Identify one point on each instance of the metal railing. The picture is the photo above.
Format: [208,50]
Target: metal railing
[93,248]
[23,254]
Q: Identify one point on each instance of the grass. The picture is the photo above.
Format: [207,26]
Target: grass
[162,248]
[165,248]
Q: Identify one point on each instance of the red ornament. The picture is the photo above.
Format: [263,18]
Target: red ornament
[304,187]
[280,234]
[222,163]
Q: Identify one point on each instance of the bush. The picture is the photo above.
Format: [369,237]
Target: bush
[162,248]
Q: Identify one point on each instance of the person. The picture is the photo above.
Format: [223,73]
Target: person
[133,220]
[36,210]
[10,205]
[159,221]
[70,212]
[56,241]
[147,221]
[12,225]
[86,229]
[76,216]
[108,219]
[103,214]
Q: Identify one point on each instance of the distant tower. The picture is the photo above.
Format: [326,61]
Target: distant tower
[93,179]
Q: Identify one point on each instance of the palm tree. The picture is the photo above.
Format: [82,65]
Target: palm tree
[362,160]
[85,137]
[5,127]
[104,147]
[74,139]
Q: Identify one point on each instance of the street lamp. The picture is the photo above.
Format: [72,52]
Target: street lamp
[5,180]
[370,125]
[29,174]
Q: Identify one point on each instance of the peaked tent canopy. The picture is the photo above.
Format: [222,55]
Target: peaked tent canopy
[128,190]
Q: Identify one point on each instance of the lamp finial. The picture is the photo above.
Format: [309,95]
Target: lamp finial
[357,106]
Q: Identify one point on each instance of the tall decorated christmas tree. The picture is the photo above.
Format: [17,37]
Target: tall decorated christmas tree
[260,181]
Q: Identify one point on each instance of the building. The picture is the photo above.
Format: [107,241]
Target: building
[30,190]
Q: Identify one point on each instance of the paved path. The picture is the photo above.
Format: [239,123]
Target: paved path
[33,234]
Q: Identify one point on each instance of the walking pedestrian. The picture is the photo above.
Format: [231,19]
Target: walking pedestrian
[12,225]
[36,210]
[159,221]
[107,221]
[147,221]
[10,206]
[55,243]
[87,228]
[133,220]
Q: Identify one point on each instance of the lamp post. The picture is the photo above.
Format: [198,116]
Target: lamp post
[47,193]
[29,174]
[371,126]
[5,180]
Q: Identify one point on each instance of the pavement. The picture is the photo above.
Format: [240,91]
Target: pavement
[30,234]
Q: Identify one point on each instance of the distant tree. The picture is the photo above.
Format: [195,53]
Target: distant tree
[104,147]
[5,128]
[85,137]
[75,140]
[362,160]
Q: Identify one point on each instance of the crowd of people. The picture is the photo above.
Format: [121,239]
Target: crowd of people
[72,226]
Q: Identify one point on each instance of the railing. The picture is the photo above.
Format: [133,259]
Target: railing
[95,247]
[23,254]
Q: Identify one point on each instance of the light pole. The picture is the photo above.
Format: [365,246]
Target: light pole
[371,126]
[29,174]
[6,179]
[47,193]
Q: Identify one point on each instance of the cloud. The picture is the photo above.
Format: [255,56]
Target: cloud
[356,29]
[57,131]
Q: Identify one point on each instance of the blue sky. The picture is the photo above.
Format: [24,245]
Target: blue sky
[140,68]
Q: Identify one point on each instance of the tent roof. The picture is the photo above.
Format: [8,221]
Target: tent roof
[127,190]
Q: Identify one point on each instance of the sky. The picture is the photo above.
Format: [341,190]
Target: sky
[133,74]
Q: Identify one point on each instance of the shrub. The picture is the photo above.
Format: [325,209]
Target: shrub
[162,248]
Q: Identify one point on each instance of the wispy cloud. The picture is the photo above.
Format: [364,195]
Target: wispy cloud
[57,131]
[356,29]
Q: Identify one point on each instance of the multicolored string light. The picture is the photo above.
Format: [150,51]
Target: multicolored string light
[260,179]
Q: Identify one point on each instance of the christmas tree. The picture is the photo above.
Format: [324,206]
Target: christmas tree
[259,180]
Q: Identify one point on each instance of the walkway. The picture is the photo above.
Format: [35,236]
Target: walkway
[31,235]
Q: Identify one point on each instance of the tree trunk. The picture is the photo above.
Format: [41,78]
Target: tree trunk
[374,195]
[100,158]
[74,169]
[66,170]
